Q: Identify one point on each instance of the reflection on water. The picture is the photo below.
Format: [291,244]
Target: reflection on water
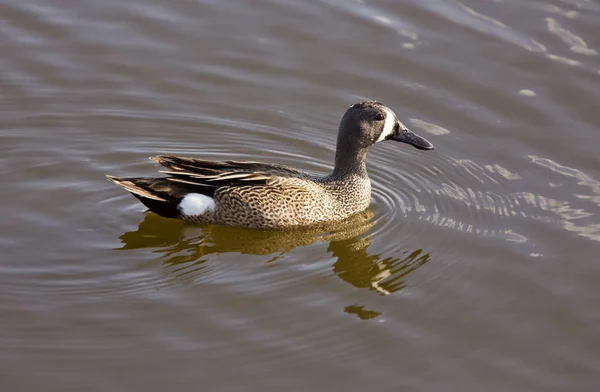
[361,312]
[574,42]
[363,270]
[575,219]
[186,248]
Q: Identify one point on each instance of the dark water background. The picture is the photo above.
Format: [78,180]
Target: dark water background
[476,268]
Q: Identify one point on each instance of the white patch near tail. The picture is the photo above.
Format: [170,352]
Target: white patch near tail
[388,126]
[196,204]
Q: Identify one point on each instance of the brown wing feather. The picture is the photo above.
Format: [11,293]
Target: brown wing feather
[223,173]
[201,166]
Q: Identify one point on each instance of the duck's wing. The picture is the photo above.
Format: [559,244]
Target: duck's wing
[201,166]
[216,174]
[164,195]
[188,175]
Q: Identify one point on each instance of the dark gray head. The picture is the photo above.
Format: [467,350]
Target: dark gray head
[367,123]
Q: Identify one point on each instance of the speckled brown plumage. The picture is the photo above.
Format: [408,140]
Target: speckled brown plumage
[260,195]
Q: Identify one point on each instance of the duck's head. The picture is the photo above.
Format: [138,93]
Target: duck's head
[371,122]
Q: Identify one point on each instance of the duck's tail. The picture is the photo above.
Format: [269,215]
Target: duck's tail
[160,195]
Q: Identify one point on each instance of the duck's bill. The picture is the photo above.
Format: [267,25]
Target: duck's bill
[406,136]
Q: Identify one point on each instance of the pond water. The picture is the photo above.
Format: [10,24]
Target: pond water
[475,268]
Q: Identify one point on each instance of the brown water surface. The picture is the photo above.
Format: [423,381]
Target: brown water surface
[475,269]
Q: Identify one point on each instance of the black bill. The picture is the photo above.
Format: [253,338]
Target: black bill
[406,136]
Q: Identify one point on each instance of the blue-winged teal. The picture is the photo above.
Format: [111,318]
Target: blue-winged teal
[263,195]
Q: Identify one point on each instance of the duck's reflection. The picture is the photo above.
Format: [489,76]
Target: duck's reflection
[348,241]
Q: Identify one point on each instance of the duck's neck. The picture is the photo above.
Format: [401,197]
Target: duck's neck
[349,183]
[350,162]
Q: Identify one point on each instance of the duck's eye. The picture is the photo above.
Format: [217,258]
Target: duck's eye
[380,117]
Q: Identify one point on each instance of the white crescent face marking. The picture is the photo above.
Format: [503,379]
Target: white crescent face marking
[196,204]
[388,126]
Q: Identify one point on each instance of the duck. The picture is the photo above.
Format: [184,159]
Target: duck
[270,196]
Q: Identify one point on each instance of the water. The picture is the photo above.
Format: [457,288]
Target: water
[475,268]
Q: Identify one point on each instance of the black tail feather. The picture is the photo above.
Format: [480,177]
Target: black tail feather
[160,195]
[168,209]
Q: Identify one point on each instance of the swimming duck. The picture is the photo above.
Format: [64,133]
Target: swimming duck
[265,195]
